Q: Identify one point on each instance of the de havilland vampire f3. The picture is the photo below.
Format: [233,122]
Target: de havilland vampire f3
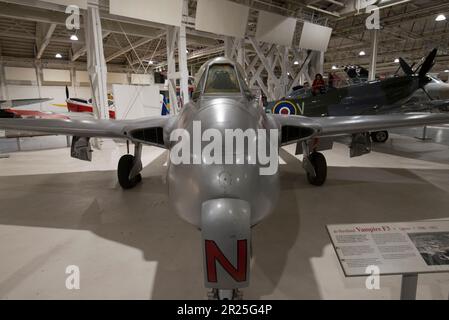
[224,199]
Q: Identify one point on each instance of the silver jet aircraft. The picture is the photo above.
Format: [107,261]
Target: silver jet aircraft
[227,198]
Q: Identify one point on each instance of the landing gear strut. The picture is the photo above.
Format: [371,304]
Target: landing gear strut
[129,168]
[315,165]
[219,294]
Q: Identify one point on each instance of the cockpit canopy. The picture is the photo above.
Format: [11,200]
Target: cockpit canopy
[220,76]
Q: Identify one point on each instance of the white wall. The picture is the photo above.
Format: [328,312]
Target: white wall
[133,102]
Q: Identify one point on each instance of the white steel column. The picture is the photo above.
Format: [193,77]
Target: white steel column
[228,47]
[74,80]
[38,69]
[3,96]
[171,68]
[241,53]
[96,64]
[272,80]
[317,63]
[182,56]
[3,88]
[374,49]
[285,71]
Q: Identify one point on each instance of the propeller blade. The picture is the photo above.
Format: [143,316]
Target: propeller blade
[428,63]
[405,67]
[67,94]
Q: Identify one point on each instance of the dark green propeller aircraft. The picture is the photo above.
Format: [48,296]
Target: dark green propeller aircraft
[368,98]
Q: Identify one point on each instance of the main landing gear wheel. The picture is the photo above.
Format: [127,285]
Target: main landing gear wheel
[125,166]
[319,163]
[379,136]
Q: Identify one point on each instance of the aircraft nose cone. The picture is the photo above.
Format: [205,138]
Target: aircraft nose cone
[226,114]
[225,178]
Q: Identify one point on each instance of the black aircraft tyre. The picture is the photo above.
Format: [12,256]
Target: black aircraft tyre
[124,169]
[320,165]
[380,136]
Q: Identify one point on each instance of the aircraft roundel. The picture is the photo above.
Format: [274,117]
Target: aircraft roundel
[285,107]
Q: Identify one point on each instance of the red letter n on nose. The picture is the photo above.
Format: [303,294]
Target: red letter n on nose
[213,254]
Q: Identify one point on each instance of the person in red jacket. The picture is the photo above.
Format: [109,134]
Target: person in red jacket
[318,85]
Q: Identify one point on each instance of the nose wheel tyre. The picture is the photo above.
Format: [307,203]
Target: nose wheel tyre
[319,163]
[379,136]
[125,166]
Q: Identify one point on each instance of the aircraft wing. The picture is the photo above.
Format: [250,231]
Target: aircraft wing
[298,128]
[147,130]
[22,102]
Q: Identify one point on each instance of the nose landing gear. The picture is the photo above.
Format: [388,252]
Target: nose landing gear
[315,165]
[379,136]
[129,168]
[219,294]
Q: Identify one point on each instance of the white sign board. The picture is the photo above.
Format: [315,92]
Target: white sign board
[82,4]
[53,75]
[135,102]
[160,11]
[20,74]
[143,79]
[395,248]
[274,28]
[315,37]
[222,17]
[117,78]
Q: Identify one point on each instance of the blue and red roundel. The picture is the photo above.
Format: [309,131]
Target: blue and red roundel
[285,107]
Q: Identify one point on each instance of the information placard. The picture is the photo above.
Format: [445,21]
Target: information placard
[395,248]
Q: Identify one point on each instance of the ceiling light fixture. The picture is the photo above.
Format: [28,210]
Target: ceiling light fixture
[362,53]
[334,68]
[440,17]
[296,63]
[396,60]
[58,56]
[74,37]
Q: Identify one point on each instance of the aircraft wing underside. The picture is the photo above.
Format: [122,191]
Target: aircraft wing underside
[298,128]
[147,131]
[22,102]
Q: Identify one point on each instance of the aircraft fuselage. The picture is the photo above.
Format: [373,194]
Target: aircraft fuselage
[359,99]
[192,185]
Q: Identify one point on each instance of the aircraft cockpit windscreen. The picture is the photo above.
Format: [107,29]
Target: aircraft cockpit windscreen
[222,78]
[435,79]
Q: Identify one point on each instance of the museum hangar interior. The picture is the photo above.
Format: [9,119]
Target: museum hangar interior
[121,175]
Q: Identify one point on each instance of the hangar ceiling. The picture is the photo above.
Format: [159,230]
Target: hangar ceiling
[31,30]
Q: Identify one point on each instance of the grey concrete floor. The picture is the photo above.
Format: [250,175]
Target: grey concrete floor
[56,211]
